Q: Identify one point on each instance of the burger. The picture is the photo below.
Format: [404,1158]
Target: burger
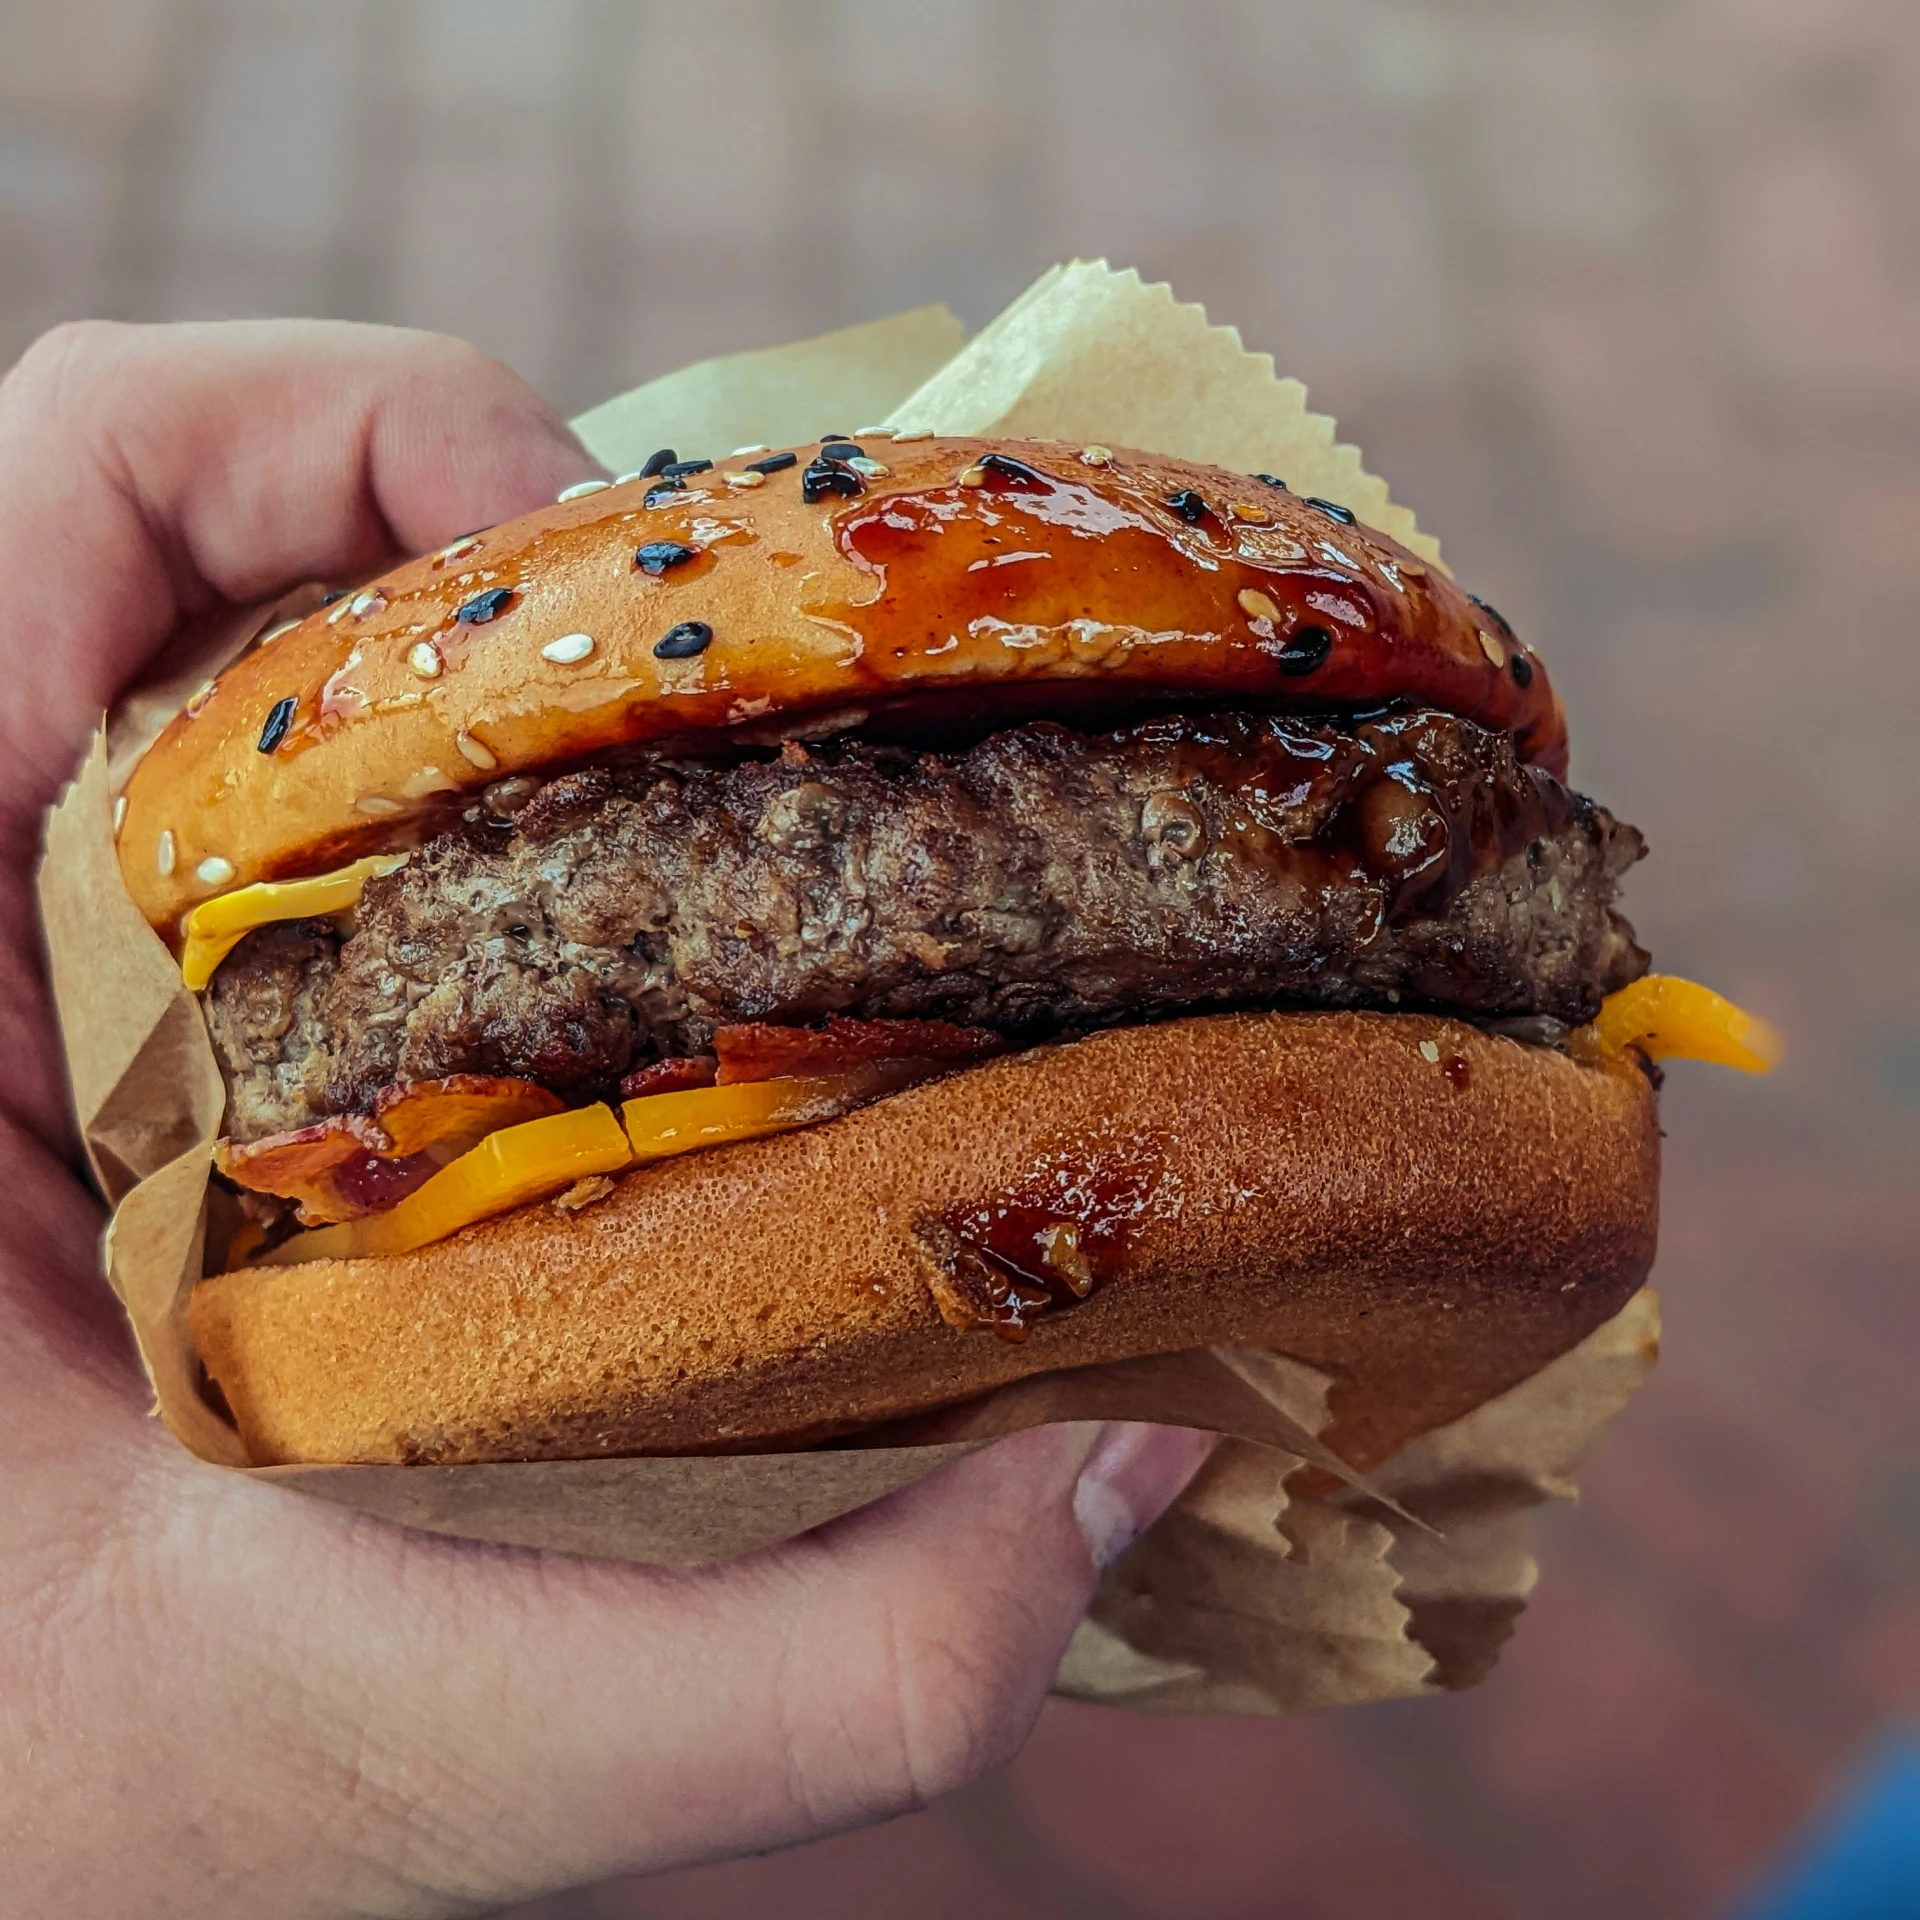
[759,951]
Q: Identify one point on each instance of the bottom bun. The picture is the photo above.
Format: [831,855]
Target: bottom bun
[1426,1212]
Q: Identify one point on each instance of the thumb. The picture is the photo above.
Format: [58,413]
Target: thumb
[155,473]
[844,1677]
[502,1725]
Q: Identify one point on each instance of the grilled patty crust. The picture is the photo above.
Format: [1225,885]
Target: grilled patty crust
[1039,882]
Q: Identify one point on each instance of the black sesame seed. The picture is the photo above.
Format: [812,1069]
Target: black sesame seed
[1271,480]
[664,491]
[1006,465]
[774,463]
[1332,509]
[684,641]
[842,450]
[1493,613]
[655,461]
[1306,649]
[677,469]
[829,476]
[281,718]
[827,437]
[1521,668]
[339,593]
[484,607]
[1188,505]
[658,555]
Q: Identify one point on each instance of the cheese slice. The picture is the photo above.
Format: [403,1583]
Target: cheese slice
[528,1162]
[1661,1016]
[507,1169]
[1667,1018]
[661,1125]
[215,927]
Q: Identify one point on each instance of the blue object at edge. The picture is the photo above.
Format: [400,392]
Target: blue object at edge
[1862,1861]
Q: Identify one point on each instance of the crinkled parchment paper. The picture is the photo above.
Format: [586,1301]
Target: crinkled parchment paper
[1243,1598]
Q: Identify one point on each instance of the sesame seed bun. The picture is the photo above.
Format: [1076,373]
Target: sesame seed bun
[921,576]
[1428,1212]
[1423,1210]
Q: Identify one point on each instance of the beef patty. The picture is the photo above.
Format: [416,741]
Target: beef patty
[1039,882]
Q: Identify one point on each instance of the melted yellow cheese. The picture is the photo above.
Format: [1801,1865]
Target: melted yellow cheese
[1661,1016]
[215,927]
[540,1157]
[507,1169]
[1668,1018]
[661,1125]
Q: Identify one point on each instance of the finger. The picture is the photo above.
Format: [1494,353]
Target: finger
[149,473]
[63,1338]
[492,1725]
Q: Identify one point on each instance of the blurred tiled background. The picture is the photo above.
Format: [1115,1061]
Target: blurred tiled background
[1624,295]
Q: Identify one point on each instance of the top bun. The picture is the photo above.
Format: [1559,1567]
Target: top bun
[984,580]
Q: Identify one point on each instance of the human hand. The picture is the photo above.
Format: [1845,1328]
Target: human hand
[216,1697]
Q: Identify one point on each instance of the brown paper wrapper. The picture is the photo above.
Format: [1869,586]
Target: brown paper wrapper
[838,383]
[1089,354]
[1243,1598]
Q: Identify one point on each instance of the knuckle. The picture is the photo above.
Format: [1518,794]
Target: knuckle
[446,356]
[456,370]
[70,356]
[945,1690]
[967,1692]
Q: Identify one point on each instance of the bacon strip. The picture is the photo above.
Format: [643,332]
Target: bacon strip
[762,1052]
[669,1076]
[355,1164]
[352,1165]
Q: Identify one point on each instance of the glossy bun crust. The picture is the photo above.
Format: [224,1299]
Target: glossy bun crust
[935,580]
[1425,1211]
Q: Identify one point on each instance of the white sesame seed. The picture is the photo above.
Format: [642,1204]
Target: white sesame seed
[468,543]
[163,853]
[213,871]
[201,696]
[363,604]
[1256,605]
[579,491]
[338,612]
[1096,456]
[377,804]
[274,633]
[1430,1052]
[472,750]
[740,453]
[744,482]
[1491,648]
[975,476]
[627,479]
[911,433]
[871,469]
[568,648]
[873,433]
[120,813]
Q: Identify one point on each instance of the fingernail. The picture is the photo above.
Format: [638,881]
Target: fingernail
[1133,1475]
